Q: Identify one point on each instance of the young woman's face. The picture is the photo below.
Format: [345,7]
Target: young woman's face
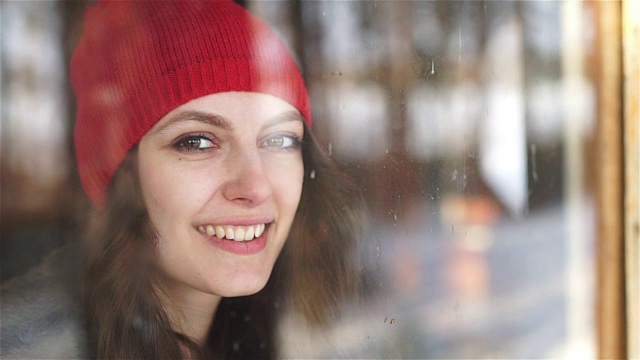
[221,177]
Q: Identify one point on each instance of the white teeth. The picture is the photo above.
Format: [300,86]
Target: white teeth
[229,232]
[249,234]
[237,233]
[219,232]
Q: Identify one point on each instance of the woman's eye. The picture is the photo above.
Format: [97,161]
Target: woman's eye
[282,142]
[194,143]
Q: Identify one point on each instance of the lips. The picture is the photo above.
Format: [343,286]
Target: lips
[232,232]
[242,240]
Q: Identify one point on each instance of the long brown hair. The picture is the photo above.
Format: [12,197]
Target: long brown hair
[124,314]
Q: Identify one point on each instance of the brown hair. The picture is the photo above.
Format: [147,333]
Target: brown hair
[124,313]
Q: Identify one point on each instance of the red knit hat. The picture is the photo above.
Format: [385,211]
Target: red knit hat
[138,60]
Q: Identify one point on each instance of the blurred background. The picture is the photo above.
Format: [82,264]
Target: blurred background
[469,125]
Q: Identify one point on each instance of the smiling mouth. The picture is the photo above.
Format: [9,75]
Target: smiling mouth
[235,233]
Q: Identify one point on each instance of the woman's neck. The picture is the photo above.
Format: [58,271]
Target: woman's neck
[190,312]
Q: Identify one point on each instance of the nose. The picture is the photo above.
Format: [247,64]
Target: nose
[247,183]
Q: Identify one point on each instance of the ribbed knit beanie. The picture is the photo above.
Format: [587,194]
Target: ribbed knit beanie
[138,60]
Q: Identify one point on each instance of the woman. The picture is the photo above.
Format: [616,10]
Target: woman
[205,116]
[214,206]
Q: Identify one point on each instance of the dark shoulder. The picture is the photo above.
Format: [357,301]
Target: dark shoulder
[41,314]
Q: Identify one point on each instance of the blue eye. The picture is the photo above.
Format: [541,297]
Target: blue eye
[281,141]
[194,143]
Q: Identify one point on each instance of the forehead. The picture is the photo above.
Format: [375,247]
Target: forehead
[239,105]
[231,110]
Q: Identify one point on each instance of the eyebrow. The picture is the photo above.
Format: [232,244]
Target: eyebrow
[203,117]
[224,123]
[287,116]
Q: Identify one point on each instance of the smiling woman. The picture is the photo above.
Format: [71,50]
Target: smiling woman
[210,192]
[230,174]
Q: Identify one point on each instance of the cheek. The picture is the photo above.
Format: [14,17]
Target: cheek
[171,192]
[287,184]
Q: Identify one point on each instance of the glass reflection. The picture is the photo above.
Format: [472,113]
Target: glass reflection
[465,123]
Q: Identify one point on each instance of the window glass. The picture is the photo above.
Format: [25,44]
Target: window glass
[465,123]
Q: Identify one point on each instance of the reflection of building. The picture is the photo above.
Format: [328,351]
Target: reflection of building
[462,84]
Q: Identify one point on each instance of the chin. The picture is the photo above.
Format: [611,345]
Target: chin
[243,287]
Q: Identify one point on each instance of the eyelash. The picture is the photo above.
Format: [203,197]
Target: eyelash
[181,143]
[296,142]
